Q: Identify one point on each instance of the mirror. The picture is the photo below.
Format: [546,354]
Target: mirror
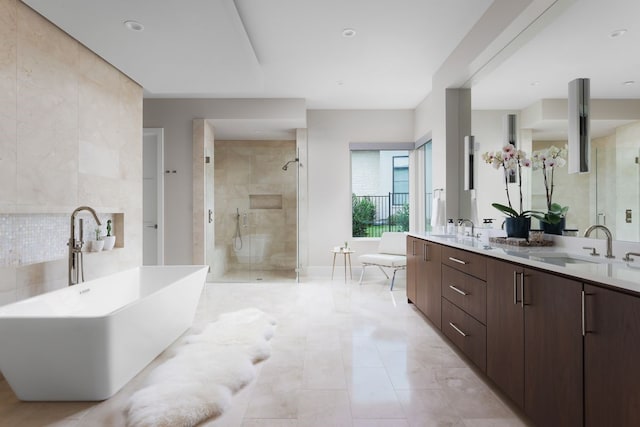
[609,195]
[533,84]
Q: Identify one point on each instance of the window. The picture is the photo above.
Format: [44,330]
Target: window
[400,180]
[380,191]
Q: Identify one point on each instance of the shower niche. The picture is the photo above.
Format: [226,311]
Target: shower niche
[255,203]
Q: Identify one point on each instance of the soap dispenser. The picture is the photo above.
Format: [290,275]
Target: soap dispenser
[451,228]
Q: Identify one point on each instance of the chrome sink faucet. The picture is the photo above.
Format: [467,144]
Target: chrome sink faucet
[464,221]
[607,233]
[76,267]
[627,256]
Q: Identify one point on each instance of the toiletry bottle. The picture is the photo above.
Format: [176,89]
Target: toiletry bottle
[451,228]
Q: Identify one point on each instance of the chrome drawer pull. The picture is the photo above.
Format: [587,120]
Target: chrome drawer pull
[457,330]
[584,326]
[459,261]
[461,292]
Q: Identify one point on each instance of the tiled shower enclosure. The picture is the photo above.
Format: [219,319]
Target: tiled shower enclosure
[255,210]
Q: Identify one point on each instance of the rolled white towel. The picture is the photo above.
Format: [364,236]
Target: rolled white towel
[437,211]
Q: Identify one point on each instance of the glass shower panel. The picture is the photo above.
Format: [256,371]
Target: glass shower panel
[255,210]
[617,191]
[210,254]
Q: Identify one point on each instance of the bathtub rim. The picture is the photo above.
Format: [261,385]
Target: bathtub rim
[13,316]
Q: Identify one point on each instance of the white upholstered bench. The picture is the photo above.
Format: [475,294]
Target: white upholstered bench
[391,254]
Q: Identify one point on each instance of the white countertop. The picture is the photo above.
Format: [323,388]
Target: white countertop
[613,272]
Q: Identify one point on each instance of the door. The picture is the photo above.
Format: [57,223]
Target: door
[152,197]
[412,269]
[505,328]
[428,281]
[611,355]
[553,349]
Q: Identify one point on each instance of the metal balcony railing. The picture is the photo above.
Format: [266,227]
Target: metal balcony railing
[373,215]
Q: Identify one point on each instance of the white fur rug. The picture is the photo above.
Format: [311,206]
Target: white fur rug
[198,381]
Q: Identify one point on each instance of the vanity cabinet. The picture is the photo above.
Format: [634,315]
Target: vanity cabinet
[469,335]
[413,245]
[505,329]
[534,341]
[566,352]
[423,277]
[429,278]
[467,292]
[464,303]
[611,358]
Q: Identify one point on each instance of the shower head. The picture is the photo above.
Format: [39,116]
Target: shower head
[286,166]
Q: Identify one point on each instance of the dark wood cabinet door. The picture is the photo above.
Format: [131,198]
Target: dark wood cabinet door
[429,279]
[553,376]
[412,269]
[505,329]
[612,358]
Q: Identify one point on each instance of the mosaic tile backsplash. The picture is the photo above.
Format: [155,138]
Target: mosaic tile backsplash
[33,238]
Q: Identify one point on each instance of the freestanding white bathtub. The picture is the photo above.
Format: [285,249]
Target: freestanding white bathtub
[86,341]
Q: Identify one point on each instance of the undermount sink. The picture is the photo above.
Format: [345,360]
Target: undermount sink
[563,258]
[445,236]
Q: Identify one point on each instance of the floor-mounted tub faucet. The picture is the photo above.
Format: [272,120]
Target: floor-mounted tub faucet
[76,268]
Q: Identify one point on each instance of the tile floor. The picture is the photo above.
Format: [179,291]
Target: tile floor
[343,355]
[244,276]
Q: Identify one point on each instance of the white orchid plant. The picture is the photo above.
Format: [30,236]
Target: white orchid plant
[547,161]
[512,161]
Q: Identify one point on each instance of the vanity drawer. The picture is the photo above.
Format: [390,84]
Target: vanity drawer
[467,292]
[468,262]
[466,333]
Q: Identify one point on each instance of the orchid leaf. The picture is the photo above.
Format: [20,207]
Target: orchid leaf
[506,210]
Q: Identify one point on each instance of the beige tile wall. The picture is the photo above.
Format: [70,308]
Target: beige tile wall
[244,168]
[71,135]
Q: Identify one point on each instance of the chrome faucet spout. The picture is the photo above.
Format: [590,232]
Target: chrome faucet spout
[76,270]
[464,221]
[607,233]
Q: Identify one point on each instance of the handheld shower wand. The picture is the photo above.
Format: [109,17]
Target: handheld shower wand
[237,239]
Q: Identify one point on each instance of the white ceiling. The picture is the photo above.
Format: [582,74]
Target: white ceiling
[274,48]
[575,45]
[295,49]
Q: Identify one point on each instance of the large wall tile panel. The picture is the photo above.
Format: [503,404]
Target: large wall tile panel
[70,135]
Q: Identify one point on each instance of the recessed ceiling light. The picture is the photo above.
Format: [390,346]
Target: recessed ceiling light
[339,82]
[133,26]
[535,83]
[629,83]
[618,33]
[348,32]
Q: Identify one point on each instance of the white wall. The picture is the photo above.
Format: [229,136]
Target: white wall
[329,135]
